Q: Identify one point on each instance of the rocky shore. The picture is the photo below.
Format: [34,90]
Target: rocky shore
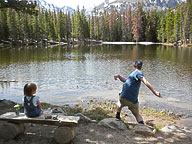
[98,126]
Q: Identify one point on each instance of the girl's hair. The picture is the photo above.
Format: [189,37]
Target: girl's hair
[29,88]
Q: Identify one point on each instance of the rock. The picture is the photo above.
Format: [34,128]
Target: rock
[113,123]
[6,105]
[170,128]
[64,135]
[59,110]
[84,118]
[187,123]
[10,130]
[143,130]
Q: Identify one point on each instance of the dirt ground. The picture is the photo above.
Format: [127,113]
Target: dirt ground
[94,134]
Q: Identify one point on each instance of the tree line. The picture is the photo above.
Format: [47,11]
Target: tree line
[173,25]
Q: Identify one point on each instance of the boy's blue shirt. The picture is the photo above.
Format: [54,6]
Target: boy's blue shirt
[131,86]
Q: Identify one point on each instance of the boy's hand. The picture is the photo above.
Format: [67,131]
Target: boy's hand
[116,76]
[158,94]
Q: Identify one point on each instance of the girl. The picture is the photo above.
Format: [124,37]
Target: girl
[31,103]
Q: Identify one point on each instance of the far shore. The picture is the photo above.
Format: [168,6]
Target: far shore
[84,42]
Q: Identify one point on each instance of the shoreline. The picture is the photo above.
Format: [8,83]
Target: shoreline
[166,104]
[9,106]
[86,42]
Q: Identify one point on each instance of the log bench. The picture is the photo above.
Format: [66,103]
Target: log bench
[12,125]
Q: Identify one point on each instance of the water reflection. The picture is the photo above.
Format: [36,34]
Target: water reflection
[65,73]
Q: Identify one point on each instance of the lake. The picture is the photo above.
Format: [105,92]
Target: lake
[71,74]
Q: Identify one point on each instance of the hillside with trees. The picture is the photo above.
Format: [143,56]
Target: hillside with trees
[24,27]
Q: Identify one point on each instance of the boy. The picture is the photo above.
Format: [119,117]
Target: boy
[129,95]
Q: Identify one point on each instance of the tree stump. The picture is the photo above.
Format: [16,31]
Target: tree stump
[10,130]
[64,135]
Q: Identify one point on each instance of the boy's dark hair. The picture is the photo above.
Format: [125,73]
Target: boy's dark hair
[138,64]
[29,88]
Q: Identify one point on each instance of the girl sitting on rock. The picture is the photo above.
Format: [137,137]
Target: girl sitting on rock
[31,103]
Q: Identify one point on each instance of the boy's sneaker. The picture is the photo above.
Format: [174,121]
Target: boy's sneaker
[141,122]
[118,116]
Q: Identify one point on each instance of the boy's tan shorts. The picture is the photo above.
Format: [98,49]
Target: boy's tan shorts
[134,108]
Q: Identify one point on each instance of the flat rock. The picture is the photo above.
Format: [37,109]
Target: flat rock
[113,123]
[143,130]
[170,128]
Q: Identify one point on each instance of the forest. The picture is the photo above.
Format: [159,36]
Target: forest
[36,24]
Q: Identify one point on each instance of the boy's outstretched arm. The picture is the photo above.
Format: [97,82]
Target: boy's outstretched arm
[150,87]
[120,77]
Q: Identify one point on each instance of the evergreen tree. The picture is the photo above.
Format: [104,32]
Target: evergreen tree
[112,21]
[124,27]
[84,25]
[162,35]
[129,25]
[170,25]
[105,27]
[12,24]
[46,25]
[73,25]
[150,29]
[92,27]
[77,24]
[118,31]
[68,26]
[188,20]
[177,24]
[137,27]
[4,33]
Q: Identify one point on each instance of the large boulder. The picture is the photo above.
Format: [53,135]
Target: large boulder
[10,130]
[113,123]
[64,135]
[143,130]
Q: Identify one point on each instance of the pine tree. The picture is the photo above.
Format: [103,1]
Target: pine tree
[84,25]
[12,24]
[73,26]
[112,20]
[46,25]
[118,30]
[4,33]
[170,25]
[92,27]
[162,35]
[137,28]
[188,20]
[68,26]
[150,29]
[129,25]
[77,24]
[124,27]
[177,24]
[96,24]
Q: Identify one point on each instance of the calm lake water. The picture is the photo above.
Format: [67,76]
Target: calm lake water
[68,75]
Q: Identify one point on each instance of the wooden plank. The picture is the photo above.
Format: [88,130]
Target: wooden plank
[61,121]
